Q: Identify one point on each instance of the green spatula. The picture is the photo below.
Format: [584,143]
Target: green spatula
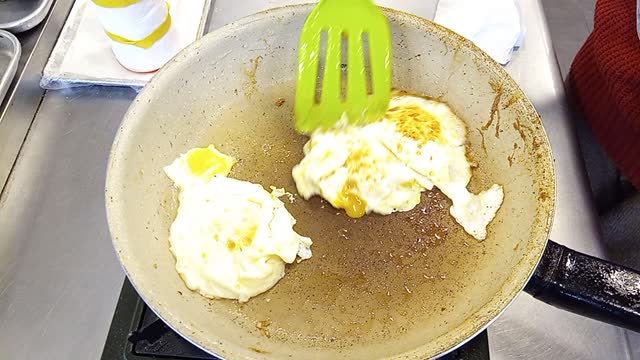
[361,90]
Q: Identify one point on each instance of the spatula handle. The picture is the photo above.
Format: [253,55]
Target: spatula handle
[587,286]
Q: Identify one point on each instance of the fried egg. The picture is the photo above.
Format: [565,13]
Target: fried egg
[384,166]
[231,238]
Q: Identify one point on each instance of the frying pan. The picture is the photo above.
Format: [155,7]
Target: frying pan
[406,285]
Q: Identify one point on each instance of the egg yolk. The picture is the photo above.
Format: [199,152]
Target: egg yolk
[208,162]
[414,122]
[242,238]
[350,202]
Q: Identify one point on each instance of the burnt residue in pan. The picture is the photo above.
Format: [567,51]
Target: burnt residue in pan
[251,73]
[494,115]
[511,158]
[512,100]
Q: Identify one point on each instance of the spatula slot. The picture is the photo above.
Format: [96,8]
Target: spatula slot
[322,59]
[344,61]
[367,62]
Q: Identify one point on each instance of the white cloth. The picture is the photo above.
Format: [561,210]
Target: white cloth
[493,25]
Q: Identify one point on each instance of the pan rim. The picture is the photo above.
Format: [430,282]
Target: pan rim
[211,345]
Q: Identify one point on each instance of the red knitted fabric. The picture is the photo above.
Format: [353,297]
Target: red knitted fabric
[605,81]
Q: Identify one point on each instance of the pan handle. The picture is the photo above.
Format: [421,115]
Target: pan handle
[587,286]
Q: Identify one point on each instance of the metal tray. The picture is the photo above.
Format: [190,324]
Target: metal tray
[9,56]
[21,15]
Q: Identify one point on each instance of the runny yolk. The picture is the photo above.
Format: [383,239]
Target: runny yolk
[350,201]
[208,162]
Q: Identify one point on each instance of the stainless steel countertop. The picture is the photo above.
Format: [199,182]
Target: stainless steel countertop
[60,279]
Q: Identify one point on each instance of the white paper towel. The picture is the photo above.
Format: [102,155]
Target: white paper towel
[493,25]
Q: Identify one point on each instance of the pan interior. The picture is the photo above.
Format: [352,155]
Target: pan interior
[406,284]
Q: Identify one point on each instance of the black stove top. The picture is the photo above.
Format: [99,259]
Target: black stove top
[136,333]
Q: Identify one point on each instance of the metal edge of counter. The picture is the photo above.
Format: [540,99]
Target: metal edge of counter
[24,101]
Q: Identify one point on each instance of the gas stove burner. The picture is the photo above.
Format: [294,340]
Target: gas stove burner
[137,333]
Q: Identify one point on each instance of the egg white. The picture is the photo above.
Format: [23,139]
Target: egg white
[230,238]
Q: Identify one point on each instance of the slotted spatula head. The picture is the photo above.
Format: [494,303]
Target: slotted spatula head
[361,95]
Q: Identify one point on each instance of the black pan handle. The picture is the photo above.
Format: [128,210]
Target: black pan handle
[587,286]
